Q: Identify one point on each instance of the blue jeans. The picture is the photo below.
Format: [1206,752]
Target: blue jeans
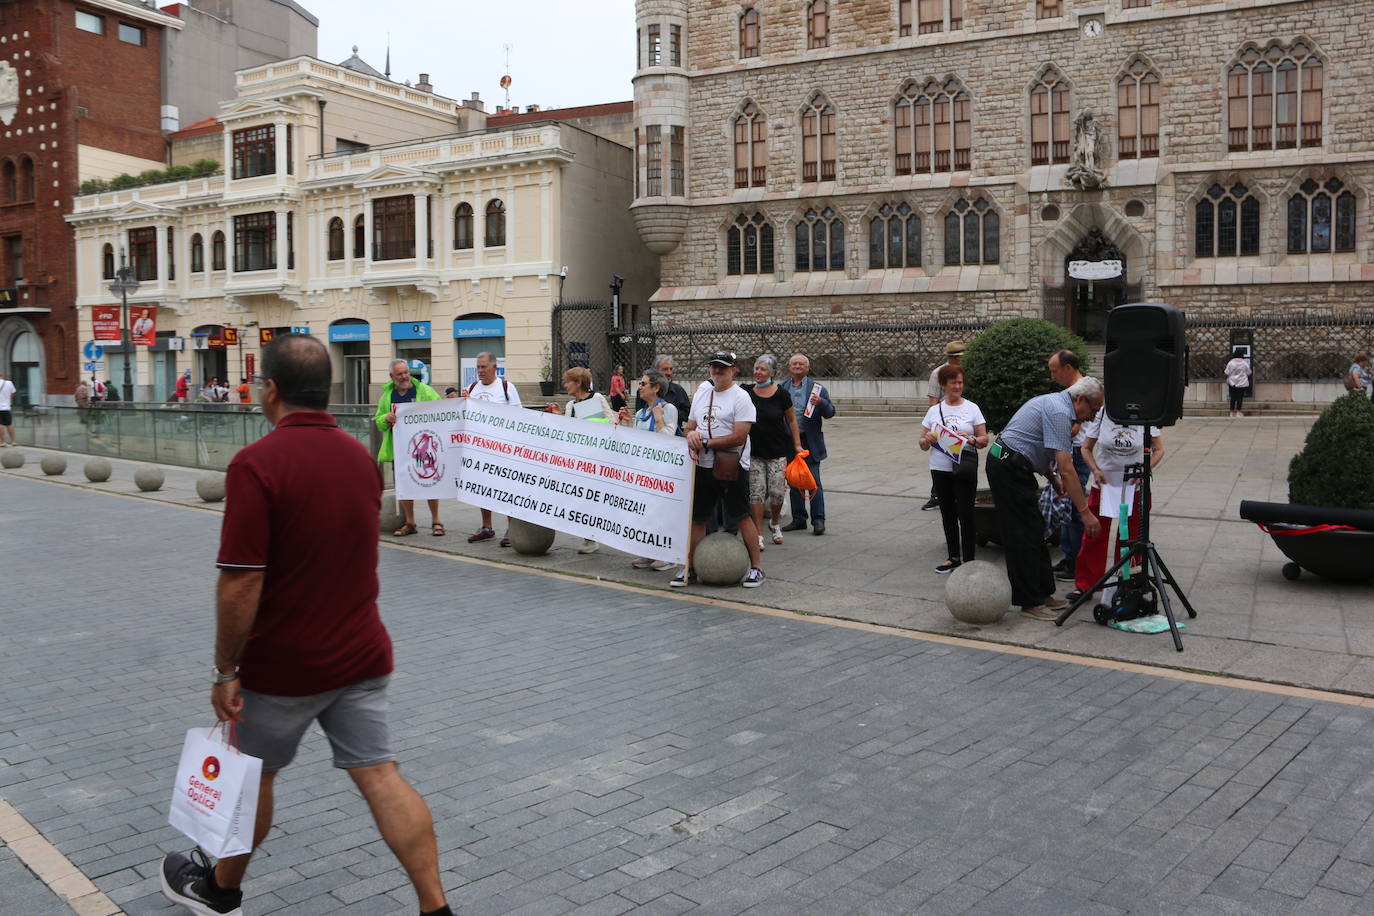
[1071,532]
[817,499]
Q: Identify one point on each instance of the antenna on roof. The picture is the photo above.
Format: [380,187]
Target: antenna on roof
[388,55]
[506,80]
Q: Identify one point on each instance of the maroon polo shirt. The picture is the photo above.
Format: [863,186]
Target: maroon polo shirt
[303,504]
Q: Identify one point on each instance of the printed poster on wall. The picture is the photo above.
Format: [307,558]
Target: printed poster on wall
[626,488]
[144,321]
[105,322]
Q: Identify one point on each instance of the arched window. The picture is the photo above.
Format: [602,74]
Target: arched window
[749,33]
[749,246]
[820,241]
[1274,98]
[894,238]
[496,225]
[336,239]
[1137,112]
[972,233]
[462,227]
[818,140]
[26,188]
[10,182]
[1048,9]
[1050,130]
[217,251]
[1321,217]
[1226,222]
[107,265]
[197,254]
[171,253]
[932,16]
[359,238]
[932,130]
[817,24]
[751,147]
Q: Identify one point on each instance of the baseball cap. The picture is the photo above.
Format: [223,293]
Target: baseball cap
[723,358]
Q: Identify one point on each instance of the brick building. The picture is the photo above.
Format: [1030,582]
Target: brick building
[928,160]
[80,97]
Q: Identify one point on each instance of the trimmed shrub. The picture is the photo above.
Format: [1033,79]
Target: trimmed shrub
[1336,465]
[202,167]
[1005,365]
[120,182]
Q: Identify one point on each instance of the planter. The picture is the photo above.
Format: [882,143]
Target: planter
[546,389]
[1337,548]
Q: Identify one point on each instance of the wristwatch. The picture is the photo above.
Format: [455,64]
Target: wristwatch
[706,444]
[218,677]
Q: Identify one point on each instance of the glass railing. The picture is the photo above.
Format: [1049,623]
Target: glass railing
[191,435]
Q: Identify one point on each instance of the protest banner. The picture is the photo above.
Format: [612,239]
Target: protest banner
[144,319]
[105,322]
[626,488]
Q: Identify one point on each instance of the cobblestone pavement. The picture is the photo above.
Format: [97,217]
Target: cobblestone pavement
[589,749]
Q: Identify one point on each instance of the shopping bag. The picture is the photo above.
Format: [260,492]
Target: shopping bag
[798,475]
[215,800]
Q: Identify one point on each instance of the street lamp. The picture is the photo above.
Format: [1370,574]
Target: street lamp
[123,285]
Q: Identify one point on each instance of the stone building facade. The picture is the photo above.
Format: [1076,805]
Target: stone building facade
[922,160]
[335,217]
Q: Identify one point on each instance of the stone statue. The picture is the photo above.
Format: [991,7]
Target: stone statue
[9,92]
[1084,170]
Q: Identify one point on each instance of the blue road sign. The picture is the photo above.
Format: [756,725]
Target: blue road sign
[93,351]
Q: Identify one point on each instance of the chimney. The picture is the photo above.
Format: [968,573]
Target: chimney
[424,84]
[530,109]
[475,103]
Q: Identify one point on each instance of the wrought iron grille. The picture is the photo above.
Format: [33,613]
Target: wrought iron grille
[1285,349]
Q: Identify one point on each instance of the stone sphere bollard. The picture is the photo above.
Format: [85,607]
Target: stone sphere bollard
[210,487]
[148,479]
[11,458]
[98,470]
[529,539]
[53,465]
[720,559]
[978,592]
[392,517]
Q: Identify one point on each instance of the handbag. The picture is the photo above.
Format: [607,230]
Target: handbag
[215,800]
[1352,381]
[725,464]
[966,471]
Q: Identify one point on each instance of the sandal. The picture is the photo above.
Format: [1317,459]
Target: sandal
[481,534]
[437,530]
[405,530]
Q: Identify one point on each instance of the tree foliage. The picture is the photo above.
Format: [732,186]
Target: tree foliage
[198,169]
[1336,465]
[1005,365]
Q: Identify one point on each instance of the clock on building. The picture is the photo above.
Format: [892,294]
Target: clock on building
[1092,28]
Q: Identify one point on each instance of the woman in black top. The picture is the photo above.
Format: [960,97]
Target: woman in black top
[773,441]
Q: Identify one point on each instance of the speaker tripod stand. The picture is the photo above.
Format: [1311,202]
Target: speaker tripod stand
[1136,595]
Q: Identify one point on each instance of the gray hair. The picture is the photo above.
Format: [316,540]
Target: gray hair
[391,366]
[1087,387]
[657,379]
[770,360]
[485,356]
[665,359]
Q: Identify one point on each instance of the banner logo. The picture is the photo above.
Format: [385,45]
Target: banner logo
[210,768]
[425,468]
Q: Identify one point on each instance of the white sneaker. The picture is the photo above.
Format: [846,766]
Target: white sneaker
[777,533]
[660,565]
[754,578]
[642,563]
[588,546]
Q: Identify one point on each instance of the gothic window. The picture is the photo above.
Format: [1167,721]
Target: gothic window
[820,241]
[932,129]
[217,251]
[675,45]
[677,172]
[653,160]
[10,180]
[1137,112]
[1051,135]
[818,24]
[972,233]
[107,267]
[462,227]
[1226,222]
[496,225]
[197,254]
[818,141]
[655,45]
[1274,99]
[751,148]
[1134,4]
[1321,217]
[1048,9]
[904,17]
[749,246]
[749,33]
[336,239]
[894,238]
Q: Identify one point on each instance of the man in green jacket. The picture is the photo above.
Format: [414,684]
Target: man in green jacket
[402,389]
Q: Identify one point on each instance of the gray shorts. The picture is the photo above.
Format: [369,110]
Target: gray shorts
[353,719]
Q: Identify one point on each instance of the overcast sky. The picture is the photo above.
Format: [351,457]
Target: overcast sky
[561,53]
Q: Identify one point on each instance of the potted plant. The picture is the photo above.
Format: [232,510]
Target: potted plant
[1327,526]
[546,372]
[1004,368]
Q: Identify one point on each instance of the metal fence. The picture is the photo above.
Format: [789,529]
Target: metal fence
[1285,349]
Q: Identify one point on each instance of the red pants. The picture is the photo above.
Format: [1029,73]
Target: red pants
[1092,556]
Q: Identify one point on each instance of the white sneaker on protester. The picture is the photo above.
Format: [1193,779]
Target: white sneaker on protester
[642,563]
[753,579]
[660,565]
[588,546]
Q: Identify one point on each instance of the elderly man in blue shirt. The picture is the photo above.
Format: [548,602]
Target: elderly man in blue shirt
[812,403]
[1039,440]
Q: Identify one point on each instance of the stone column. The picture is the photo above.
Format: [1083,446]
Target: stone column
[281,242]
[163,267]
[367,233]
[280,148]
[228,155]
[545,221]
[228,247]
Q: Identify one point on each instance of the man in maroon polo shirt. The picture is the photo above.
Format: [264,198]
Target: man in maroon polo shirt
[298,636]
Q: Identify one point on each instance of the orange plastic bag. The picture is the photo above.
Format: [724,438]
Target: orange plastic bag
[798,474]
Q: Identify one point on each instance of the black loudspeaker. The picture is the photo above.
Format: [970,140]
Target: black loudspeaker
[1145,367]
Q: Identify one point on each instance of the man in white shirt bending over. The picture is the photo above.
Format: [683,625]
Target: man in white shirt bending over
[490,388]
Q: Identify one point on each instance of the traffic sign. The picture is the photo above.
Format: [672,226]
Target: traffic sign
[91,367]
[93,351]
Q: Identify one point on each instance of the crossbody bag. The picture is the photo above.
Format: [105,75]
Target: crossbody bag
[725,464]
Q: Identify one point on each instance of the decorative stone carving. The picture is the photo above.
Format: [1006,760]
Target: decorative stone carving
[1085,169]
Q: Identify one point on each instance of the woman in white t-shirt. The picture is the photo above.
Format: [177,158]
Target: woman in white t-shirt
[718,432]
[961,418]
[1237,380]
[1109,448]
[585,405]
